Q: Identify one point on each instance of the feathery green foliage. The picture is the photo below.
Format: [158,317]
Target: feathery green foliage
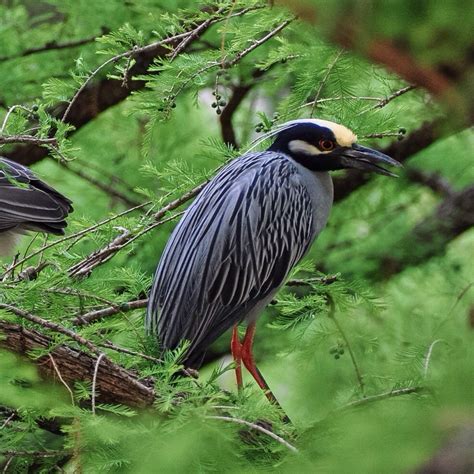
[378,327]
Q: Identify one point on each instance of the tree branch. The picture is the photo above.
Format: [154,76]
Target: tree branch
[89,101]
[108,189]
[55,327]
[239,93]
[54,45]
[76,365]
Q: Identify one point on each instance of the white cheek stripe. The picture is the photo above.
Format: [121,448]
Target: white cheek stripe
[300,146]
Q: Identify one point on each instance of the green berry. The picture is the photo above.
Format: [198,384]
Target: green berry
[214,105]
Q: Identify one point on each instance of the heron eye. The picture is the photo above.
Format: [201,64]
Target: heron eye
[326,145]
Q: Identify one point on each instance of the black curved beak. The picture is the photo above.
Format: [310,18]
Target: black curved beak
[367,159]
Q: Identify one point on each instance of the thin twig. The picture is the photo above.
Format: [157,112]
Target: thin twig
[381,396]
[94,380]
[7,421]
[324,80]
[181,46]
[51,45]
[123,350]
[108,189]
[56,369]
[73,236]
[332,315]
[386,100]
[36,454]
[7,464]
[29,139]
[256,427]
[256,43]
[394,95]
[427,359]
[111,310]
[461,296]
[9,112]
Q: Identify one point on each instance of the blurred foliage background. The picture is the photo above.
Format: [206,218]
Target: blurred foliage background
[145,99]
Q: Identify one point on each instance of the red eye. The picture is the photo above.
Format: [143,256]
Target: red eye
[326,145]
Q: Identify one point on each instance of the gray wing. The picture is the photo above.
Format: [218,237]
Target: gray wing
[27,203]
[232,249]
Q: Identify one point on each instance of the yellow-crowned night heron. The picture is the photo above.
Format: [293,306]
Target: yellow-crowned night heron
[237,242]
[27,203]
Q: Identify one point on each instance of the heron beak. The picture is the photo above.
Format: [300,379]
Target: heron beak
[367,159]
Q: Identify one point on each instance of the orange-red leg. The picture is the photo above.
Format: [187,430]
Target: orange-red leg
[236,349]
[247,359]
[242,352]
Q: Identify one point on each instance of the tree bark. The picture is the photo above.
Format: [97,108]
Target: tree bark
[76,365]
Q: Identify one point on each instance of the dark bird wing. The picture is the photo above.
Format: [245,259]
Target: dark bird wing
[230,252]
[27,203]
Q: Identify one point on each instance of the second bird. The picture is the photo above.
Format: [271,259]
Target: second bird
[237,242]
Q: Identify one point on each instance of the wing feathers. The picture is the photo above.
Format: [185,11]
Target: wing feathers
[27,203]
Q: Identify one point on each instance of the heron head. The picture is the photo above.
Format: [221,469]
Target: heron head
[321,145]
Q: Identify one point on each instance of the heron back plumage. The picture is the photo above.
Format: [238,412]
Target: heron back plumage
[234,247]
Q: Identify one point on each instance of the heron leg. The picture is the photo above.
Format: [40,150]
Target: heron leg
[247,359]
[236,349]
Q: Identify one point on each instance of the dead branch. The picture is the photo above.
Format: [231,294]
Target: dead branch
[29,139]
[109,311]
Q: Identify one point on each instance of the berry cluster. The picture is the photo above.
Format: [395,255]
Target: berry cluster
[337,351]
[262,127]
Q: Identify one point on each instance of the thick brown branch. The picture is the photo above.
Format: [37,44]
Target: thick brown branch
[76,365]
[238,95]
[94,99]
[55,327]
